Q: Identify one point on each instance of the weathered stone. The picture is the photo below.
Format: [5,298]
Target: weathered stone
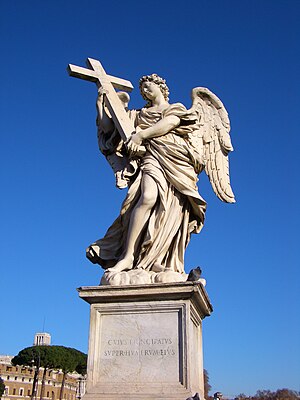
[163,206]
[146,342]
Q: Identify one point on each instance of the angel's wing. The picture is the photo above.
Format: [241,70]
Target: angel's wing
[213,133]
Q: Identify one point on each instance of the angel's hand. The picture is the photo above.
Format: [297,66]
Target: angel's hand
[100,98]
[103,116]
[134,142]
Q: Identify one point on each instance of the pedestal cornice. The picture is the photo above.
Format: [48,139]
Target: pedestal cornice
[162,292]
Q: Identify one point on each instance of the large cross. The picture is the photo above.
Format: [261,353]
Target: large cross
[97,74]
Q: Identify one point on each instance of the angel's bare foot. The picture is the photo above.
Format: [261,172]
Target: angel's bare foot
[125,264]
[157,267]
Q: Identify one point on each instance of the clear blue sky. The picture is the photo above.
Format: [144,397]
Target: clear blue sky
[58,194]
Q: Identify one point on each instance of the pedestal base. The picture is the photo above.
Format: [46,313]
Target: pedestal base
[146,341]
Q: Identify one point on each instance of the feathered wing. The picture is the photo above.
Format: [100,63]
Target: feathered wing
[213,136]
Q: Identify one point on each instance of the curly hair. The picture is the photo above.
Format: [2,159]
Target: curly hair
[158,81]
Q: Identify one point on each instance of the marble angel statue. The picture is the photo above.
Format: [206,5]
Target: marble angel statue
[162,208]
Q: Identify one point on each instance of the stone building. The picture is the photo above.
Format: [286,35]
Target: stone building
[42,339]
[18,382]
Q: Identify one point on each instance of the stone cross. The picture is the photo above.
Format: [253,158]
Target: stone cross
[97,74]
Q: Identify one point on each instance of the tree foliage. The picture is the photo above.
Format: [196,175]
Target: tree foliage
[280,394]
[207,386]
[62,358]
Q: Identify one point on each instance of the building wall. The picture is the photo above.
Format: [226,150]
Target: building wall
[42,339]
[19,380]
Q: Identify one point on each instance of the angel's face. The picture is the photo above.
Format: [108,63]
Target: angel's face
[151,90]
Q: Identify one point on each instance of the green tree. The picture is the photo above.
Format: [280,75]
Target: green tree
[71,360]
[61,358]
[2,387]
[242,396]
[280,394]
[207,386]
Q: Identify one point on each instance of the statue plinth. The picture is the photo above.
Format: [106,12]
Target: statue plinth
[145,341]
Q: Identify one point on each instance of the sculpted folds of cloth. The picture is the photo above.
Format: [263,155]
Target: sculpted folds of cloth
[160,163]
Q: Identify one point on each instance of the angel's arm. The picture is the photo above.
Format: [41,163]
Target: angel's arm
[161,128]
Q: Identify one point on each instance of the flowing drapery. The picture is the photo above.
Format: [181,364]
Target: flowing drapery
[179,210]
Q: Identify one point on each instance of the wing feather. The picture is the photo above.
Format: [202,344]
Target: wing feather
[215,127]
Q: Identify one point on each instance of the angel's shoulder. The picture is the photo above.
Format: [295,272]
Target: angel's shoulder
[177,109]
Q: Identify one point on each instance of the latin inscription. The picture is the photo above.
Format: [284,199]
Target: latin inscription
[145,347]
[139,347]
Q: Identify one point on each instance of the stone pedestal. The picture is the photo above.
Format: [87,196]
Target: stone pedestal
[146,341]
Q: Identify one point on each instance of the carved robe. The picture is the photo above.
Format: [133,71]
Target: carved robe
[179,211]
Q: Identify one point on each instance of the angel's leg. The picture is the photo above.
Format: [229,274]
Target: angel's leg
[138,220]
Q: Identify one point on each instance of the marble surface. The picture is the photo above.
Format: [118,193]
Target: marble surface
[146,342]
[163,206]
